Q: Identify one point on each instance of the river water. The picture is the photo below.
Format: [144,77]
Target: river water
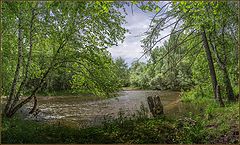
[74,110]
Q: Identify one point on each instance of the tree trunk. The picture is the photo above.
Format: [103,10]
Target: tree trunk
[210,63]
[155,106]
[18,106]
[53,64]
[17,71]
[222,63]
[16,99]
[219,96]
[34,105]
[227,81]
[223,67]
[1,60]
[228,86]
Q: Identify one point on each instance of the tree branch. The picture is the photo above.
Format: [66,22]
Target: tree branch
[29,60]
[192,48]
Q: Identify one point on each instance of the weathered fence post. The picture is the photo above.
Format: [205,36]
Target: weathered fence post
[155,106]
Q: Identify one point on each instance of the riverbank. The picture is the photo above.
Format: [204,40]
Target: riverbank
[80,112]
[209,125]
[132,88]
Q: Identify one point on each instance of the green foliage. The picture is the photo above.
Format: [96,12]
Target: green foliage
[165,69]
[138,75]
[69,39]
[180,62]
[216,120]
[197,93]
[101,68]
[122,72]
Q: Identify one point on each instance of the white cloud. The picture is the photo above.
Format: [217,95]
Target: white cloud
[137,24]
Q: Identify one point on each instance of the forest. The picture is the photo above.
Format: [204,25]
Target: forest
[61,84]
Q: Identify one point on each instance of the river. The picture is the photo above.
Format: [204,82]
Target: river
[74,110]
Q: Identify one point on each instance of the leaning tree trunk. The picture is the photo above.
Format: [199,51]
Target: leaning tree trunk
[227,81]
[11,108]
[220,97]
[228,86]
[34,105]
[25,79]
[222,64]
[33,94]
[210,63]
[17,71]
[223,67]
[14,93]
[51,67]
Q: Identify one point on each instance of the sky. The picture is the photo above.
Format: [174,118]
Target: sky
[137,23]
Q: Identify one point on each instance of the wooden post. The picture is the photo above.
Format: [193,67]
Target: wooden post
[155,106]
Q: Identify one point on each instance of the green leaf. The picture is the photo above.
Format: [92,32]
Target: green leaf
[157,9]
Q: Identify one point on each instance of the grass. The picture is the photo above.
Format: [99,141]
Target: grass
[163,130]
[205,123]
[221,123]
[208,127]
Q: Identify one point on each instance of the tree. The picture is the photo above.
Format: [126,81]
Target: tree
[138,74]
[51,34]
[122,71]
[197,19]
